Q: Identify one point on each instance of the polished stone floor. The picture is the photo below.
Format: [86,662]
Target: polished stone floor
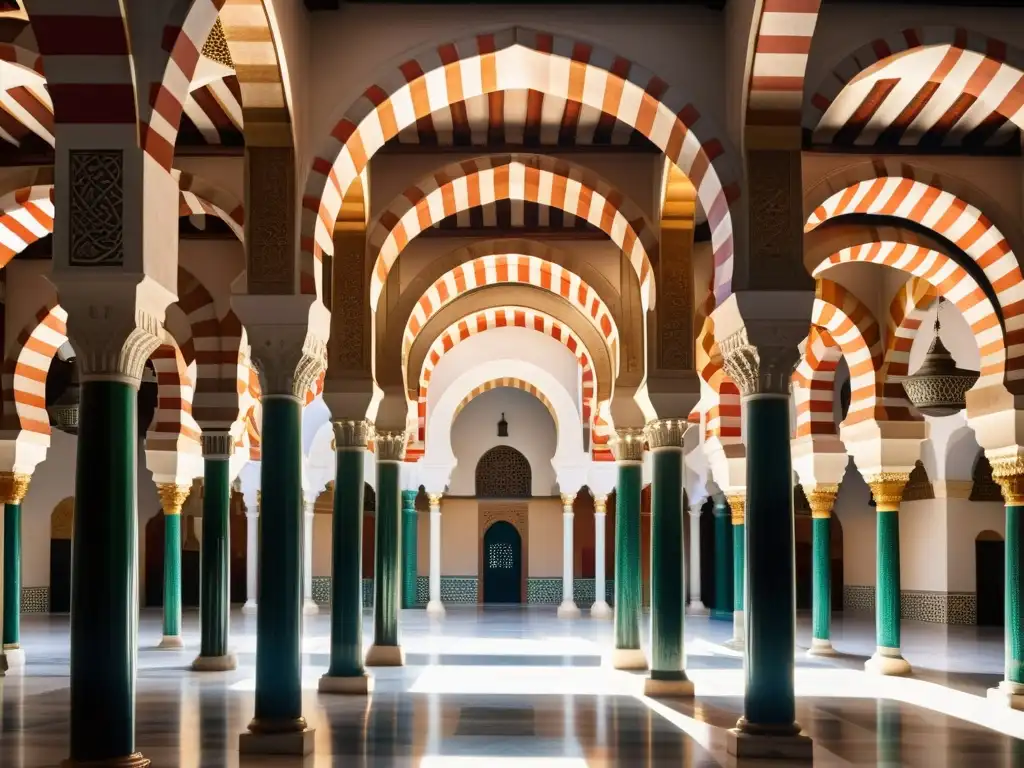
[516,687]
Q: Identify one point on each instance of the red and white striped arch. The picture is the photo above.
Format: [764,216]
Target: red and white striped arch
[512,268]
[515,59]
[174,429]
[950,281]
[25,370]
[534,178]
[502,317]
[814,384]
[932,86]
[722,410]
[507,381]
[906,311]
[200,198]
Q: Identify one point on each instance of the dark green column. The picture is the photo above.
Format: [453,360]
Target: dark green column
[279,618]
[346,673]
[104,590]
[12,577]
[172,497]
[215,557]
[409,548]
[1007,473]
[627,446]
[668,562]
[387,587]
[821,499]
[722,609]
[737,514]
[887,490]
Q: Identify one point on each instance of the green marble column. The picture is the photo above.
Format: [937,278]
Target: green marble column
[386,650]
[628,447]
[722,609]
[1007,472]
[887,490]
[821,499]
[346,673]
[104,567]
[279,618]
[409,548]
[12,578]
[668,562]
[172,497]
[215,557]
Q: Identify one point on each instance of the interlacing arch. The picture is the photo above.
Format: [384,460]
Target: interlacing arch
[200,198]
[174,428]
[517,317]
[532,178]
[512,268]
[722,417]
[906,311]
[25,369]
[814,384]
[516,59]
[514,383]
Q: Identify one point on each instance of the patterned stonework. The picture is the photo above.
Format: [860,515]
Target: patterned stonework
[918,605]
[35,599]
[96,220]
[270,220]
[216,46]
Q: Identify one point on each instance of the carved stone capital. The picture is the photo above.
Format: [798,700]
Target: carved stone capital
[1009,474]
[887,488]
[765,363]
[352,434]
[434,500]
[567,500]
[628,444]
[172,497]
[13,487]
[289,361]
[821,499]
[389,446]
[666,433]
[217,445]
[600,505]
[737,507]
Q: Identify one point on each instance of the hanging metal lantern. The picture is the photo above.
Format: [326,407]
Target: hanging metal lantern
[64,411]
[938,388]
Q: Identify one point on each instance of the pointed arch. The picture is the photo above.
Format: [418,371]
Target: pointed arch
[510,382]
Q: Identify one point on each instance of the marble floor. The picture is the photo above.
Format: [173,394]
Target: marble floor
[499,687]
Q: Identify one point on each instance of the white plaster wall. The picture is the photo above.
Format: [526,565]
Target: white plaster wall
[964,521]
[923,544]
[460,537]
[858,520]
[531,431]
[545,538]
[27,291]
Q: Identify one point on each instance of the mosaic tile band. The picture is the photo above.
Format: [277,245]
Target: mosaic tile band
[464,590]
[918,605]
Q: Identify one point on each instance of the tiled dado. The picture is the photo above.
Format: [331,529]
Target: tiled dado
[919,605]
[549,591]
[35,599]
[464,589]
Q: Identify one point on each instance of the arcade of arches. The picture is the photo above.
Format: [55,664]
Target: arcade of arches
[607,326]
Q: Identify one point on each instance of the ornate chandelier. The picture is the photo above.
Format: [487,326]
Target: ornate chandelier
[938,387]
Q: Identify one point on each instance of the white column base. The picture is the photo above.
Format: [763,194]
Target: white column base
[697,608]
[249,607]
[1007,694]
[568,610]
[435,609]
[600,610]
[172,642]
[385,656]
[224,663]
[296,743]
[821,648]
[737,642]
[360,685]
[15,659]
[668,689]
[309,608]
[628,658]
[887,661]
[798,748]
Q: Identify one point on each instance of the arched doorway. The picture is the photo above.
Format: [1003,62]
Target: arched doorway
[61,525]
[237,546]
[155,531]
[989,571]
[503,563]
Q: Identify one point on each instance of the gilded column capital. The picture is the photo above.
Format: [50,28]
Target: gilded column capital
[389,446]
[600,504]
[821,498]
[887,488]
[665,433]
[172,497]
[737,507]
[1009,474]
[352,434]
[628,444]
[568,499]
[434,499]
[217,445]
[13,487]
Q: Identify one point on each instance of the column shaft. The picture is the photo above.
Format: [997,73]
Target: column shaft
[600,578]
[347,565]
[308,520]
[627,556]
[434,605]
[387,574]
[12,577]
[104,590]
[821,586]
[567,609]
[887,602]
[738,542]
[409,533]
[279,619]
[1014,615]
[722,608]
[172,575]
[215,560]
[668,565]
[696,600]
[252,539]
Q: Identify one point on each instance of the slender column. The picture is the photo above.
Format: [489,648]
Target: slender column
[723,561]
[821,498]
[435,607]
[668,562]
[1009,473]
[12,656]
[567,609]
[600,609]
[696,603]
[346,673]
[308,606]
[887,488]
[738,519]
[409,548]
[172,497]
[386,650]
[628,448]
[252,538]
[215,558]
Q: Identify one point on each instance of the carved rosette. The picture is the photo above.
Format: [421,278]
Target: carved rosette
[737,507]
[666,433]
[13,487]
[172,497]
[567,501]
[628,444]
[389,446]
[887,488]
[600,505]
[763,365]
[1009,474]
[821,498]
[434,499]
[217,445]
[289,362]
[352,434]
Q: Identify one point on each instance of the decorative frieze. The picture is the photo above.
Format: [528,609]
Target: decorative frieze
[96,208]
